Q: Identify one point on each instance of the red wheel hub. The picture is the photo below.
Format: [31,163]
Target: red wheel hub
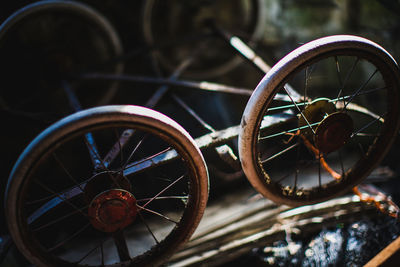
[333,132]
[112,210]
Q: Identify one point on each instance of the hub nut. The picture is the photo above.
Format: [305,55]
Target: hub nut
[112,210]
[333,132]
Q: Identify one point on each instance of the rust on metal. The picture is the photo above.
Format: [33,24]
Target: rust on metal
[112,210]
[333,132]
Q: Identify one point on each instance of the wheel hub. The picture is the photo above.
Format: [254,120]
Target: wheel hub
[315,112]
[333,132]
[330,129]
[112,210]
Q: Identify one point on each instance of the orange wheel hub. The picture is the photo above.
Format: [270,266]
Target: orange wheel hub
[112,210]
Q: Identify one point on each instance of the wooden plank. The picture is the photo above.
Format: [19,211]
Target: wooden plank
[389,256]
[236,229]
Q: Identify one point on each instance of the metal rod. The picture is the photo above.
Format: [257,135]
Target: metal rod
[76,105]
[152,102]
[249,54]
[122,247]
[203,85]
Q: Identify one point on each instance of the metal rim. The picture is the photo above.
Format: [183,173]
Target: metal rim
[91,120]
[262,99]
[78,9]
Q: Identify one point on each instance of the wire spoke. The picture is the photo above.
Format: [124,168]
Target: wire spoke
[146,159]
[32,202]
[294,172]
[59,219]
[165,189]
[366,135]
[133,152]
[148,228]
[307,73]
[341,98]
[346,79]
[156,213]
[280,153]
[192,113]
[341,162]
[69,238]
[338,72]
[90,252]
[288,131]
[119,145]
[116,149]
[56,199]
[339,76]
[361,88]
[361,150]
[287,106]
[162,198]
[61,197]
[67,172]
[366,126]
[298,109]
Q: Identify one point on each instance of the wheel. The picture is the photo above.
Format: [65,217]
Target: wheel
[47,42]
[306,146]
[40,45]
[121,185]
[177,28]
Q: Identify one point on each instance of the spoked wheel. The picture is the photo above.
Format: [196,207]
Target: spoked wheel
[41,46]
[176,28]
[47,42]
[338,125]
[113,185]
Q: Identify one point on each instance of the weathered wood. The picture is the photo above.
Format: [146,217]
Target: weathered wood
[229,231]
[389,256]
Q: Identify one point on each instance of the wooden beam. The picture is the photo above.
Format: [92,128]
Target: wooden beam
[226,236]
[389,256]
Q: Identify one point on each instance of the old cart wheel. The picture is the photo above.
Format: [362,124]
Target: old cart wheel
[110,185]
[339,123]
[176,28]
[42,44]
[46,42]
